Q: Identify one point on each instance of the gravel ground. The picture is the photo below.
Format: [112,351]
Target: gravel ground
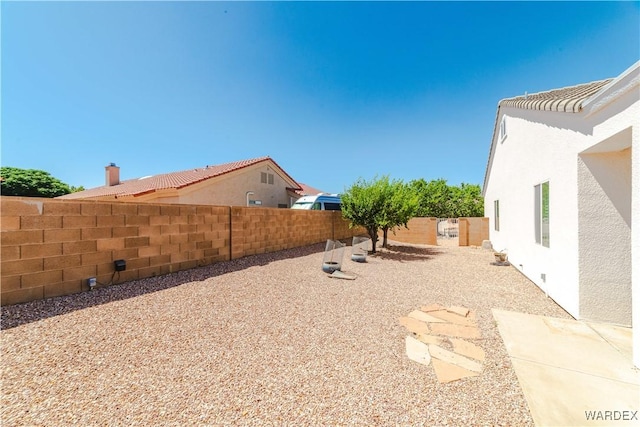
[265,340]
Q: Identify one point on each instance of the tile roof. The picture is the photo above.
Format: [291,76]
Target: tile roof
[307,190]
[172,180]
[567,99]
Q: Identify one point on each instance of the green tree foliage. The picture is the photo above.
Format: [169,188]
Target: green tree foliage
[401,204]
[440,200]
[467,201]
[378,204]
[32,183]
[362,204]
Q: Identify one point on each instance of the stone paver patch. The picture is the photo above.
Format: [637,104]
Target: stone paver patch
[434,327]
[451,357]
[452,330]
[424,317]
[467,349]
[429,339]
[417,351]
[447,316]
[462,311]
[446,372]
[414,325]
[432,307]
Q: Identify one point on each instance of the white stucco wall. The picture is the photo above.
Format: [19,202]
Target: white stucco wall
[533,153]
[635,242]
[545,146]
[604,218]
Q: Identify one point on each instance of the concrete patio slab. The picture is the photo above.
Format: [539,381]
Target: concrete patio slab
[569,373]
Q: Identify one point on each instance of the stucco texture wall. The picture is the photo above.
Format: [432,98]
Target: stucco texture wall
[604,219]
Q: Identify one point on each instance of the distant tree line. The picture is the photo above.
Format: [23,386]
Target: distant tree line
[32,183]
[383,203]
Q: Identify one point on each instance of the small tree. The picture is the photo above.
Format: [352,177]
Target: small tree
[401,204]
[30,183]
[363,204]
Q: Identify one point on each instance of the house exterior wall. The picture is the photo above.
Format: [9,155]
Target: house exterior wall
[231,189]
[635,242]
[532,153]
[51,247]
[604,218]
[544,146]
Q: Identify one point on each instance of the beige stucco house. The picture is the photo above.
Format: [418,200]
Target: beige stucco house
[253,182]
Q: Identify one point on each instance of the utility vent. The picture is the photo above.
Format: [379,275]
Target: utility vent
[543,276]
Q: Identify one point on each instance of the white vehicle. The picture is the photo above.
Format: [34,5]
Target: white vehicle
[320,202]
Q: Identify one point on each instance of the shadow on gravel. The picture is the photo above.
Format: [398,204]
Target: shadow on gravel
[20,314]
[407,253]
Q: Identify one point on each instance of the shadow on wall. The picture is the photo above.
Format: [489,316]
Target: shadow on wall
[20,314]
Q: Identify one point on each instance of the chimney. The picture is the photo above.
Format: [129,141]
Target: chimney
[112,175]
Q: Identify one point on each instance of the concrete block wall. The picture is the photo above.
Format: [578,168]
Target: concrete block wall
[472,231]
[50,247]
[421,231]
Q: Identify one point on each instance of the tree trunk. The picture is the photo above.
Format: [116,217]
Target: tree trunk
[373,234]
[384,237]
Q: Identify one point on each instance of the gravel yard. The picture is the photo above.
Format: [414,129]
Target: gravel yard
[265,340]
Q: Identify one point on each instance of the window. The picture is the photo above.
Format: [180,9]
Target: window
[503,129]
[496,215]
[328,206]
[316,206]
[541,197]
[266,178]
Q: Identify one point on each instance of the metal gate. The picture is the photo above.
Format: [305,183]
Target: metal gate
[447,228]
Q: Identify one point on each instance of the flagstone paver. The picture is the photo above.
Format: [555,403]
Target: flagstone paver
[450,357]
[452,317]
[429,339]
[414,325]
[452,330]
[417,351]
[424,317]
[467,349]
[462,311]
[432,307]
[447,372]
[435,327]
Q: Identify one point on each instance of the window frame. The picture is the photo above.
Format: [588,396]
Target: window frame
[542,215]
[502,130]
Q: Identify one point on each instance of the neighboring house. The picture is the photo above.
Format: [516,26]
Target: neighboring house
[254,182]
[562,191]
[307,190]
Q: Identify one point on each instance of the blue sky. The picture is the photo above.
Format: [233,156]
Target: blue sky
[332,91]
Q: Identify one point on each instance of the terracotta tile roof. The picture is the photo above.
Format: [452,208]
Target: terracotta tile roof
[172,180]
[568,99]
[307,190]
